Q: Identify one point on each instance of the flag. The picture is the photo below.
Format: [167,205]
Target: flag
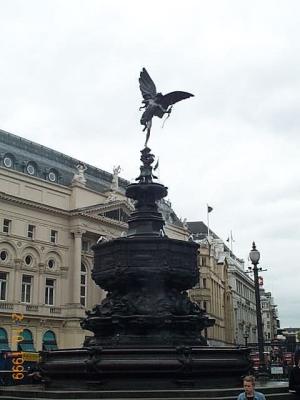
[227,240]
[209,208]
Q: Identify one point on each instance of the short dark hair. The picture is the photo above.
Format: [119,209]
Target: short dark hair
[249,378]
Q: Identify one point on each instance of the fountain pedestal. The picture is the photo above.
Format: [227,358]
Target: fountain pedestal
[147,332]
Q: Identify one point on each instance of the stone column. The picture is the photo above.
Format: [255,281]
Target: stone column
[40,289]
[15,296]
[76,268]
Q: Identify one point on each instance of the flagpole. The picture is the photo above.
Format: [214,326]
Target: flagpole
[209,209]
[207,221]
[231,241]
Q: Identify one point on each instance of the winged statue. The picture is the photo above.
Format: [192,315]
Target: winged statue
[156,104]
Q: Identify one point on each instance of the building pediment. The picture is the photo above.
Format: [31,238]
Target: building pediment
[118,210]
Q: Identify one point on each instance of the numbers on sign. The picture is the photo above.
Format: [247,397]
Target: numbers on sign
[18,376]
[18,360]
[17,368]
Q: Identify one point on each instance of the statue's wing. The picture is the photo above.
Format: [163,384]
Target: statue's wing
[147,85]
[174,97]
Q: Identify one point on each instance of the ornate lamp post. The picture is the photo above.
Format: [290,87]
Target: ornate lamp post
[254,257]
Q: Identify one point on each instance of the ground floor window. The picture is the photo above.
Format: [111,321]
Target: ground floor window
[4,340]
[49,341]
[26,344]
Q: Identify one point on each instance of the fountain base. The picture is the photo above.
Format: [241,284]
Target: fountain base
[144,368]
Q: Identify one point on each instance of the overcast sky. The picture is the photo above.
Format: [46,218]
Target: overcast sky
[69,80]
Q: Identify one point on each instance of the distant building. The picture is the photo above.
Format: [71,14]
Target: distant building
[244,304]
[53,209]
[269,315]
[213,294]
[237,286]
[238,289]
[292,338]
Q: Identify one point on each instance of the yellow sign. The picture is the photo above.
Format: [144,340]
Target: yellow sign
[27,356]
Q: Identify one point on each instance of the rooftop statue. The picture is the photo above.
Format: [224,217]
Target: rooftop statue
[79,176]
[156,104]
[115,178]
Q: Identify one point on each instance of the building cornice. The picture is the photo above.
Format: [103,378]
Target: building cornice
[53,210]
[32,204]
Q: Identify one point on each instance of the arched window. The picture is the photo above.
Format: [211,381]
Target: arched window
[31,168]
[3,340]
[8,160]
[27,343]
[83,285]
[52,175]
[49,341]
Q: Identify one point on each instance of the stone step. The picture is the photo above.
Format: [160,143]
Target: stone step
[278,396]
[272,392]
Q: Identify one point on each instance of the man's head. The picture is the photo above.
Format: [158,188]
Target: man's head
[249,384]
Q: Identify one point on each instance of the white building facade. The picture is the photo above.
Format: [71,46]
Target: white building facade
[53,208]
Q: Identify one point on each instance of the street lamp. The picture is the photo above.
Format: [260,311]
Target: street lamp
[254,257]
[246,335]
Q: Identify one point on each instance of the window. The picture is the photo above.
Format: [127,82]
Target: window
[3,285]
[27,343]
[83,281]
[49,292]
[205,305]
[53,236]
[51,263]
[239,287]
[52,176]
[117,214]
[31,168]
[8,161]
[26,289]
[3,340]
[49,341]
[28,260]
[85,244]
[204,283]
[31,231]
[6,225]
[3,255]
